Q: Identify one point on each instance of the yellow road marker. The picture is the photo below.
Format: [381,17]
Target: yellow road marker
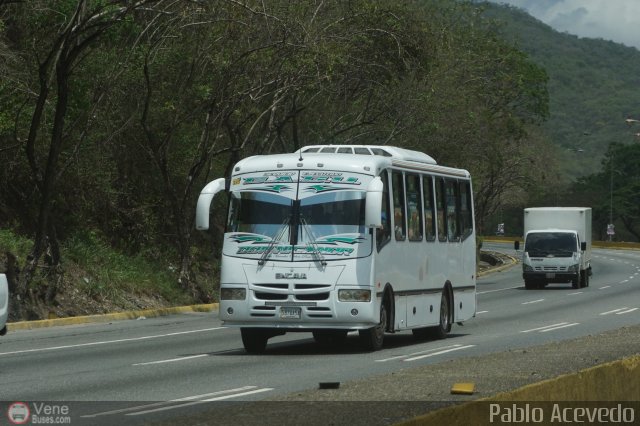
[463,388]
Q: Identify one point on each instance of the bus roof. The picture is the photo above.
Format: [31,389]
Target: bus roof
[382,150]
[344,157]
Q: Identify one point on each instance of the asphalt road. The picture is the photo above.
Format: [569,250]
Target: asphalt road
[165,368]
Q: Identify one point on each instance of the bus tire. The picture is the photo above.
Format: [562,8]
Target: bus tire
[373,338]
[254,340]
[444,327]
[330,338]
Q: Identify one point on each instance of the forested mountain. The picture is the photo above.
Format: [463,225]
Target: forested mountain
[594,85]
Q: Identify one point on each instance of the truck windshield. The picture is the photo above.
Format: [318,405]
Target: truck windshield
[559,244]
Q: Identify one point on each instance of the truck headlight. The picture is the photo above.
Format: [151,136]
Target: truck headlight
[354,295]
[527,268]
[233,293]
[574,268]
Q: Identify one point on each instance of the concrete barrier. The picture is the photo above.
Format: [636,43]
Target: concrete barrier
[607,389]
[116,316]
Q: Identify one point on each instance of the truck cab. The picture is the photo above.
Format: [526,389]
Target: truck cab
[554,256]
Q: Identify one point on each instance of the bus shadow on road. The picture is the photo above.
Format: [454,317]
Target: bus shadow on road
[351,345]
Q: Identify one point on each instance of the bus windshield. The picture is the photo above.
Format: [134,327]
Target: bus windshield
[324,226]
[339,212]
[260,213]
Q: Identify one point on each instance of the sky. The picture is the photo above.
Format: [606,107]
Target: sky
[616,20]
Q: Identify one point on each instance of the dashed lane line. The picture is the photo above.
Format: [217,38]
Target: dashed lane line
[106,342]
[182,402]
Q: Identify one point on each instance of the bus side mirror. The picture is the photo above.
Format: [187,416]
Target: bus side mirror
[373,204]
[516,245]
[583,246]
[204,202]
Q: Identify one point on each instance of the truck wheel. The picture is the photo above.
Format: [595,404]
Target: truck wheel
[529,285]
[584,281]
[575,283]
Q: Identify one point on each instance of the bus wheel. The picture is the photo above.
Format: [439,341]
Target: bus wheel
[443,328]
[254,340]
[372,338]
[329,338]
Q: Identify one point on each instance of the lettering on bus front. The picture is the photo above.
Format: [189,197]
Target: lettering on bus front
[306,177]
[299,250]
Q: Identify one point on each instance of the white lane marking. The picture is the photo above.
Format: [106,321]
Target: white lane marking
[417,353]
[184,358]
[533,301]
[105,342]
[614,311]
[164,403]
[219,398]
[627,311]
[500,289]
[577,292]
[561,326]
[606,286]
[438,353]
[623,281]
[542,328]
[481,312]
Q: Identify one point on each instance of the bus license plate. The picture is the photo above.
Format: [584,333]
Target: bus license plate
[288,312]
[551,275]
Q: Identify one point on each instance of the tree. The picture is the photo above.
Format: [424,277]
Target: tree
[78,25]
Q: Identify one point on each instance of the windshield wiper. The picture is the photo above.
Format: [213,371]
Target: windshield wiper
[277,238]
[312,242]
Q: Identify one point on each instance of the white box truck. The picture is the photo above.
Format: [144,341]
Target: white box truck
[557,246]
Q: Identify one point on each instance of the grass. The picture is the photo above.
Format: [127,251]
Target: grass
[109,272]
[94,268]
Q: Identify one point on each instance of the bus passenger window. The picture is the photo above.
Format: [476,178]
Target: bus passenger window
[429,214]
[414,207]
[453,207]
[440,207]
[383,235]
[466,216]
[398,206]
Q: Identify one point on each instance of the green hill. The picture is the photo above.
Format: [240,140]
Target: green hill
[594,85]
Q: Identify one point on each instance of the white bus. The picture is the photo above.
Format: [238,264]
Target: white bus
[332,239]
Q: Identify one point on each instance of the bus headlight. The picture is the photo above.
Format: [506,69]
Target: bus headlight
[354,295]
[233,294]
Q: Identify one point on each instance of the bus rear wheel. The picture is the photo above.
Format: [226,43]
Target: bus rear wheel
[373,338]
[444,327]
[254,340]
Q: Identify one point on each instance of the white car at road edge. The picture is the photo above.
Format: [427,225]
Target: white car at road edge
[4,304]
